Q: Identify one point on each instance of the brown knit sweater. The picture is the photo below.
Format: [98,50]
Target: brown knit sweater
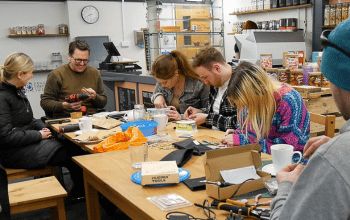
[64,81]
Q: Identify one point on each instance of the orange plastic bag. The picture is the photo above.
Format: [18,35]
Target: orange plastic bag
[121,140]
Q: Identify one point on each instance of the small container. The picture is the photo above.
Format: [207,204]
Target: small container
[291,23]
[41,29]
[275,4]
[319,61]
[29,30]
[292,61]
[326,15]
[301,57]
[282,3]
[139,112]
[266,60]
[289,3]
[282,25]
[296,77]
[35,29]
[259,24]
[315,79]
[332,16]
[24,30]
[338,14]
[18,30]
[272,72]
[306,70]
[62,29]
[56,60]
[345,11]
[283,75]
[325,82]
[273,25]
[12,30]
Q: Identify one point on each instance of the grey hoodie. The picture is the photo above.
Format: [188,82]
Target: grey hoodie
[322,190]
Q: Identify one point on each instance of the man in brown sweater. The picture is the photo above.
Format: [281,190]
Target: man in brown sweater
[76,77]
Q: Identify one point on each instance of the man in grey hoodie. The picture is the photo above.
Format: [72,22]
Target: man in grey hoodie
[321,190]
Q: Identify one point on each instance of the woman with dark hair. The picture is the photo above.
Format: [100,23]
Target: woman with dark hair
[269,112]
[178,85]
[25,142]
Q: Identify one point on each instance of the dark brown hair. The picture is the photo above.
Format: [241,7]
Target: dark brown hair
[165,65]
[250,25]
[206,56]
[78,44]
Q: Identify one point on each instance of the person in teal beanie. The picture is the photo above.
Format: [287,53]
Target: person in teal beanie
[321,189]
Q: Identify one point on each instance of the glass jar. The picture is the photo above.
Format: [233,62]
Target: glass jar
[338,15]
[62,29]
[296,77]
[34,29]
[266,60]
[41,29]
[272,72]
[12,30]
[315,79]
[326,15]
[292,61]
[139,112]
[18,30]
[56,60]
[332,16]
[345,11]
[325,82]
[29,30]
[24,30]
[283,75]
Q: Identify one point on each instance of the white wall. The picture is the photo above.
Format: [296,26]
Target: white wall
[230,5]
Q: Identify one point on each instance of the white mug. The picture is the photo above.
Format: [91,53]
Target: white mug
[162,120]
[282,155]
[85,124]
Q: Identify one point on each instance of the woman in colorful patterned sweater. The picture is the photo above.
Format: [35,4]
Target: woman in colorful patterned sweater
[270,112]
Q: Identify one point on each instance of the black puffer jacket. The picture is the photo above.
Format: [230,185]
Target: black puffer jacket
[21,144]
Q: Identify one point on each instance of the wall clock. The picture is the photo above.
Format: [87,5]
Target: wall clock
[90,14]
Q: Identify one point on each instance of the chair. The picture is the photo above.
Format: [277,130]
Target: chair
[38,194]
[17,174]
[327,120]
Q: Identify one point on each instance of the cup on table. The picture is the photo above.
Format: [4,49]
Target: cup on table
[162,120]
[85,124]
[138,154]
[282,155]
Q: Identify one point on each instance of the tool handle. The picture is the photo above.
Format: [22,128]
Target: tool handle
[234,209]
[236,203]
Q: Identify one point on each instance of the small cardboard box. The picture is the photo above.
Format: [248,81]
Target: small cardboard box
[232,158]
[159,172]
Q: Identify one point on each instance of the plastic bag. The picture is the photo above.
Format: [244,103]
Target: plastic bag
[121,140]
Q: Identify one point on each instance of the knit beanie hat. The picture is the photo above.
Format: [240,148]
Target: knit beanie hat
[336,65]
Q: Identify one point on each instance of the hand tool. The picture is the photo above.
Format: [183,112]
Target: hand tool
[257,197]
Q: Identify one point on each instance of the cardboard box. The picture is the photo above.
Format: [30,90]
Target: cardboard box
[159,172]
[232,158]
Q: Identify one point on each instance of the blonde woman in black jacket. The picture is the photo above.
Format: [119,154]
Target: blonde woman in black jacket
[25,142]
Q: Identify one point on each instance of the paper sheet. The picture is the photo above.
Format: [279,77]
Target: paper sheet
[237,176]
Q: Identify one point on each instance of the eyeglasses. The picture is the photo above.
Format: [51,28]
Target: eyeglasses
[81,60]
[325,42]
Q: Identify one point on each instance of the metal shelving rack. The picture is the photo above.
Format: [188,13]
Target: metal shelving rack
[186,27]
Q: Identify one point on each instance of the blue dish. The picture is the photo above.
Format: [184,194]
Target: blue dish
[183,174]
[147,128]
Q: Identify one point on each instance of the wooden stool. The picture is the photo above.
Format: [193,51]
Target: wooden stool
[38,194]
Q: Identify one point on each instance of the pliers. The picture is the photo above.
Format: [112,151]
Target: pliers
[256,204]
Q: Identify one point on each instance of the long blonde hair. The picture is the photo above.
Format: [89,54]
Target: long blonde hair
[165,65]
[250,88]
[14,63]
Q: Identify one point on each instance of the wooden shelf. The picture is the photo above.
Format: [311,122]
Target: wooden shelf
[328,27]
[36,35]
[272,9]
